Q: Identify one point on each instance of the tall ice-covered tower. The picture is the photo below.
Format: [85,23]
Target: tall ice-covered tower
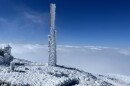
[52,37]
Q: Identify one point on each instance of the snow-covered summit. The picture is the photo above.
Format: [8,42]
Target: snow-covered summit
[36,74]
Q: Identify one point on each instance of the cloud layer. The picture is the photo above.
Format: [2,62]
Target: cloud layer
[93,59]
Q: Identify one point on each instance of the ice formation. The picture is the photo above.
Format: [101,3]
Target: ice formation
[36,74]
[52,37]
[5,55]
[26,73]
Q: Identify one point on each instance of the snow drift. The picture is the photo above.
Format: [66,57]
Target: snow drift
[37,74]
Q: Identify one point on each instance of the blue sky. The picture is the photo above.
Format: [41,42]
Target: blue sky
[79,22]
[82,27]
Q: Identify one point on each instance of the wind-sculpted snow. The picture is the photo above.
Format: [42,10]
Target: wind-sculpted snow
[36,74]
[121,79]
[116,80]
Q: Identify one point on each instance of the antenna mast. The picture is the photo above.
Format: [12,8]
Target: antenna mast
[52,37]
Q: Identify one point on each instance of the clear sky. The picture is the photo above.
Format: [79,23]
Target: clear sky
[78,22]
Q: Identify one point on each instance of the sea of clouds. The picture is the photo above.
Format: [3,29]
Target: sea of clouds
[95,59]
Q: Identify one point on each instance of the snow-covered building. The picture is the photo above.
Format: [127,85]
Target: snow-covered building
[5,55]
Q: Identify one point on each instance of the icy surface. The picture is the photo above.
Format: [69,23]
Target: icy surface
[35,74]
[5,54]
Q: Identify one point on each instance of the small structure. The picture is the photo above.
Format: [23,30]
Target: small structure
[5,55]
[12,64]
[52,37]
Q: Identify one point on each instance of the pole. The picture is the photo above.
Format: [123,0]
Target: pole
[52,37]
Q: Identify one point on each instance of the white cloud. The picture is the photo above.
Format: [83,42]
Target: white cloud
[24,17]
[125,51]
[89,58]
[23,26]
[35,17]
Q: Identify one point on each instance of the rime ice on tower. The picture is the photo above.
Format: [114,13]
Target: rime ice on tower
[52,37]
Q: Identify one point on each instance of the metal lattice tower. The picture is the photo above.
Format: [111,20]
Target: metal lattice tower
[52,37]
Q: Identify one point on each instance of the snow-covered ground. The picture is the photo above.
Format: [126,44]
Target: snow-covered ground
[36,74]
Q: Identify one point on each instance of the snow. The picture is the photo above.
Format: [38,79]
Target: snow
[115,79]
[52,37]
[122,78]
[37,74]
[5,54]
[26,73]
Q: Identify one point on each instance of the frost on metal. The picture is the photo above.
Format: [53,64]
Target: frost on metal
[52,37]
[5,55]
[12,64]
